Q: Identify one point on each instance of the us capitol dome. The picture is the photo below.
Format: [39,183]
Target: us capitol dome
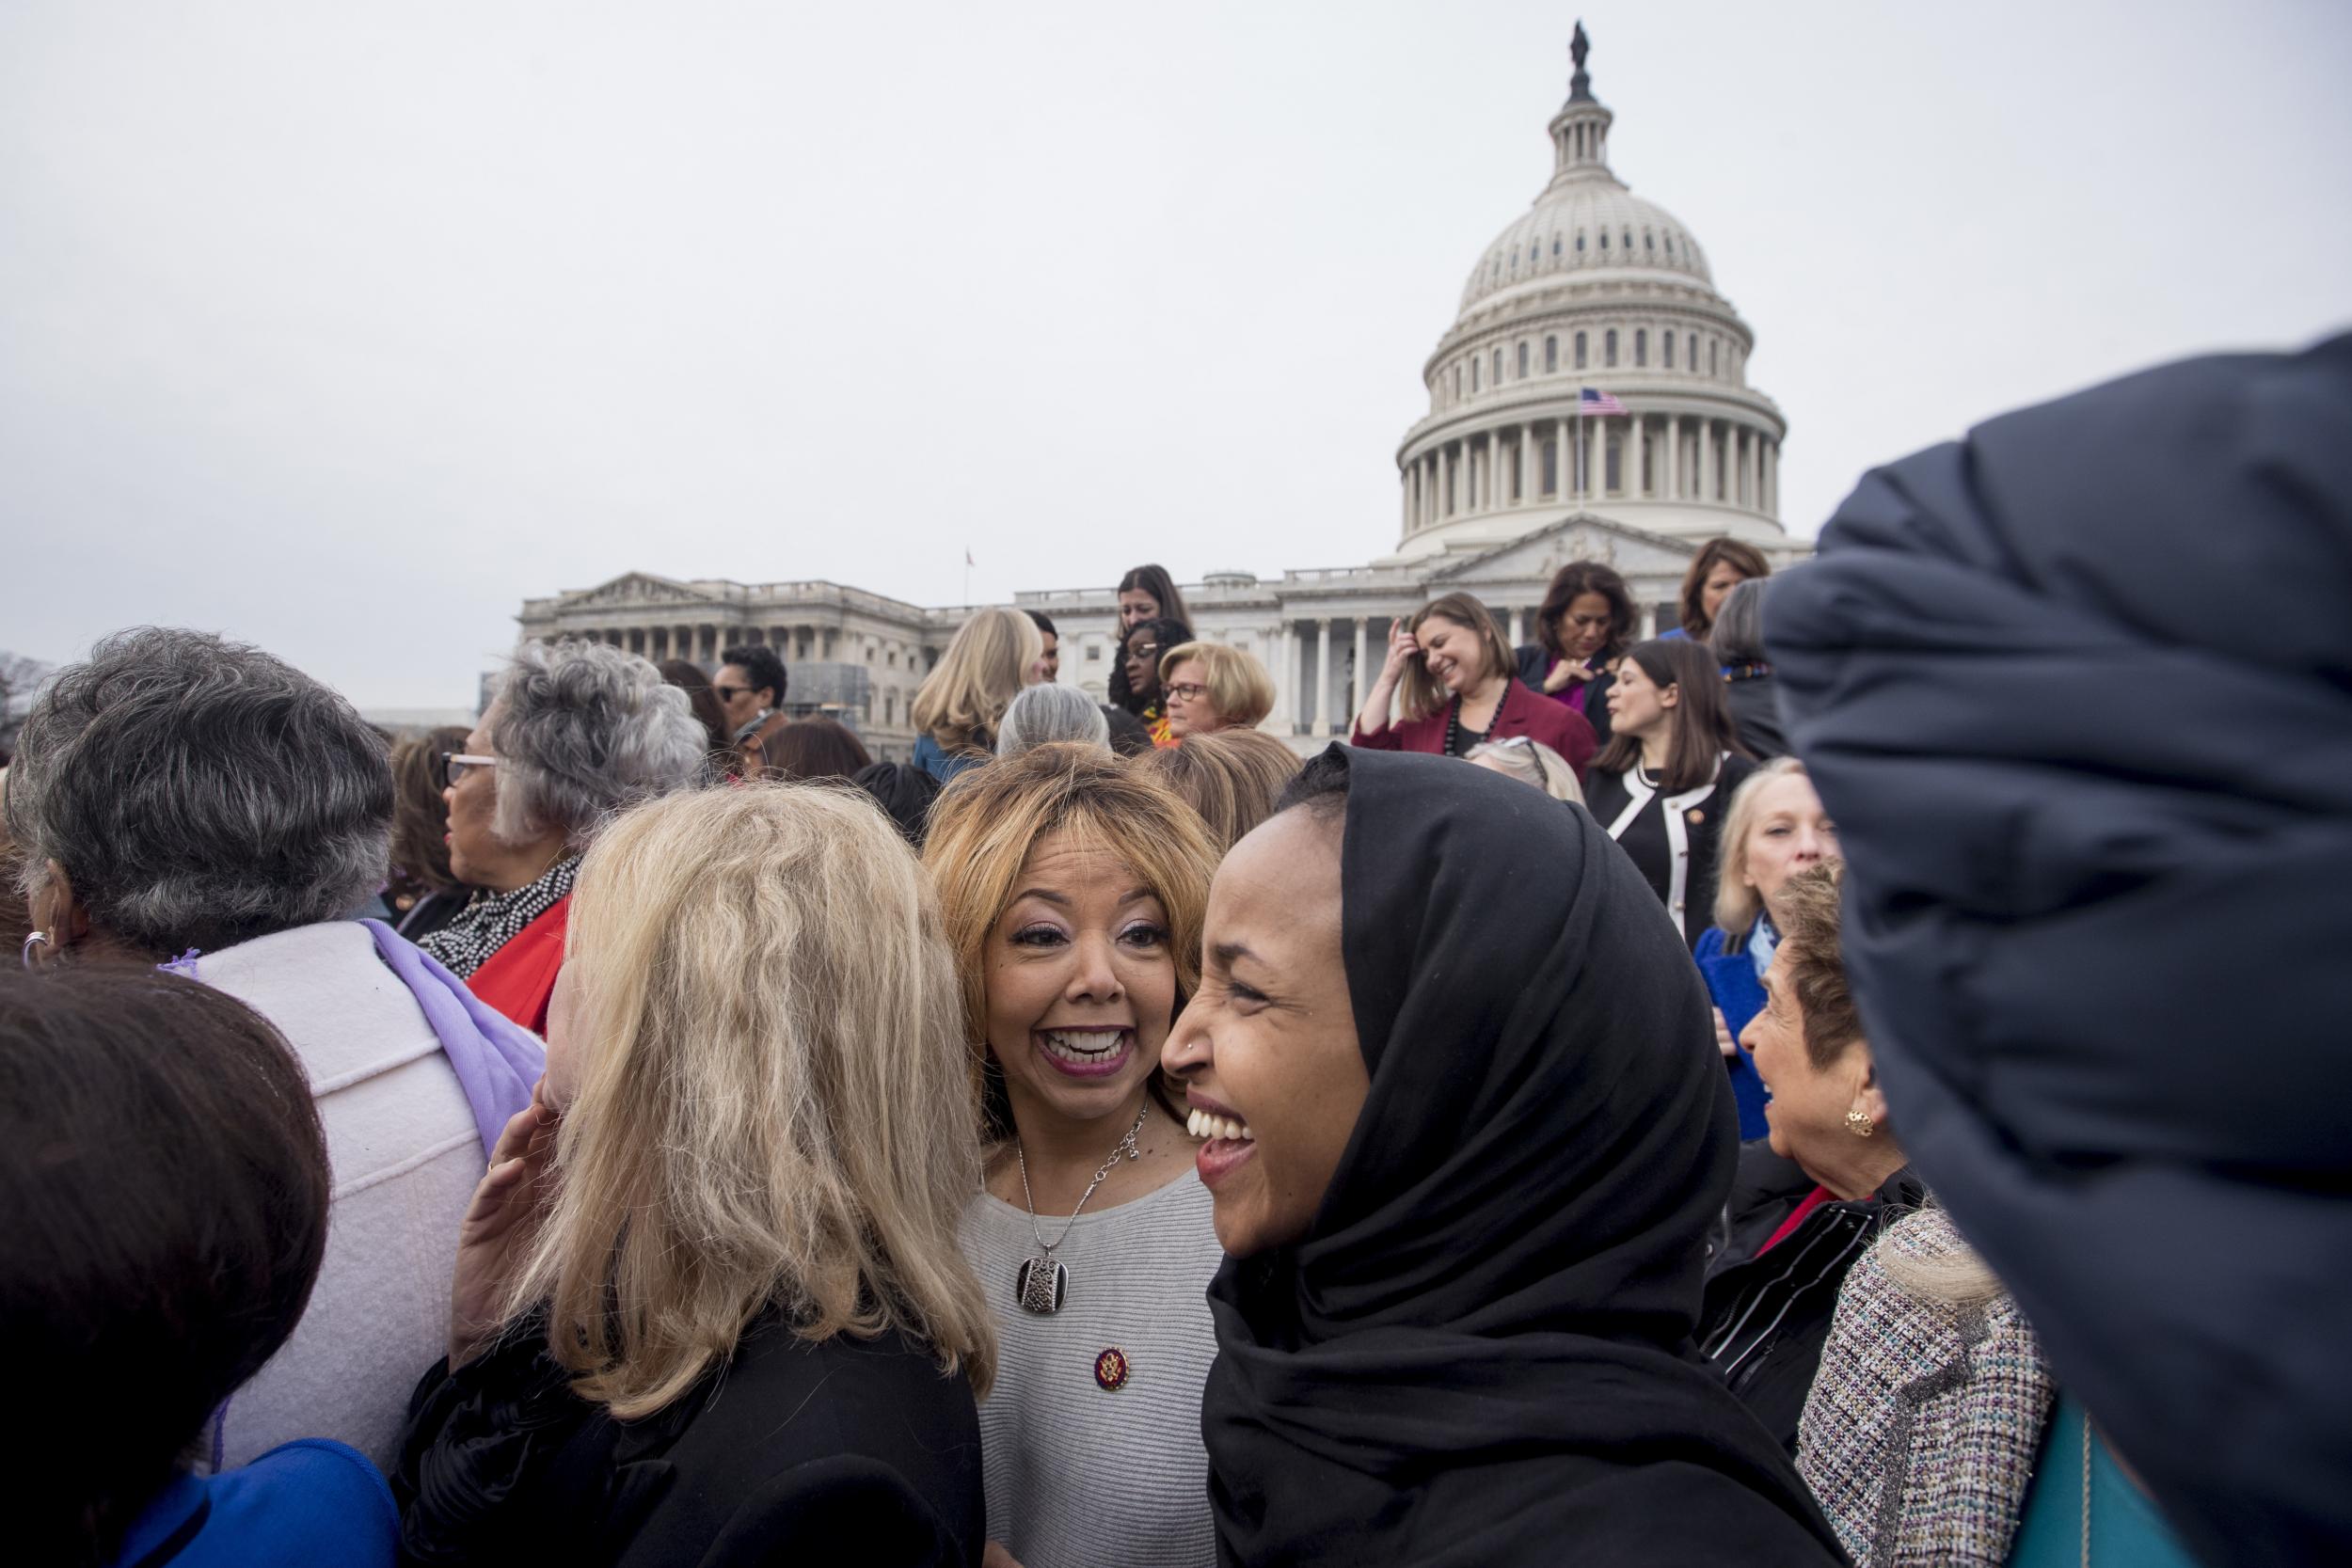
[1589,402]
[1594,366]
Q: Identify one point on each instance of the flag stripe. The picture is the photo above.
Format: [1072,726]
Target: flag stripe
[1594,401]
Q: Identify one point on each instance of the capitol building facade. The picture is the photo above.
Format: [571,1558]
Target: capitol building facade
[1590,401]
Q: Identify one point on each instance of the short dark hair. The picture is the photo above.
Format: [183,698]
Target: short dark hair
[1045,623]
[1814,964]
[1699,725]
[763,664]
[1320,788]
[816,749]
[165,1183]
[1154,580]
[905,793]
[200,793]
[1129,737]
[687,677]
[1739,554]
[420,814]
[1571,583]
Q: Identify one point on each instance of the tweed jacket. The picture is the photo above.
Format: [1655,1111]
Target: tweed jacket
[1925,1422]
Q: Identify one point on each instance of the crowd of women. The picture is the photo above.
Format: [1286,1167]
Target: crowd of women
[1640,1102]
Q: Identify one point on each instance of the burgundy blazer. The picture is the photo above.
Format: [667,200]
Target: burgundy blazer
[1524,711]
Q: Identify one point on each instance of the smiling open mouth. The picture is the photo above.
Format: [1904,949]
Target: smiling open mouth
[1086,1053]
[1210,1126]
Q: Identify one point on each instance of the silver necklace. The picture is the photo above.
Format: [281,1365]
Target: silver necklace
[1042,1283]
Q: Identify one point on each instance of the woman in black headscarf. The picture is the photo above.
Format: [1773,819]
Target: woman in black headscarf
[2101,646]
[1465,1128]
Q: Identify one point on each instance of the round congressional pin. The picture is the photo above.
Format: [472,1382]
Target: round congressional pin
[1695,816]
[1110,1371]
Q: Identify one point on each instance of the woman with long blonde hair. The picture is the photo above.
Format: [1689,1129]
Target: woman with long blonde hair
[708,1294]
[1073,888]
[960,704]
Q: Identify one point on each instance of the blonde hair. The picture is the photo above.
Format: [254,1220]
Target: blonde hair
[1239,689]
[1736,905]
[986,663]
[1230,776]
[772,1109]
[1531,762]
[1927,1257]
[1419,692]
[985,824]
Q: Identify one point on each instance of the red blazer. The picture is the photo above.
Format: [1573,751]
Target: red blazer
[518,979]
[1524,711]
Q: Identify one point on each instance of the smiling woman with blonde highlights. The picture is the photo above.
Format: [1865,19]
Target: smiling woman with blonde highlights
[1073,886]
[744,1166]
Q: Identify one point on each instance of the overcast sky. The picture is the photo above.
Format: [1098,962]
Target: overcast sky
[344,328]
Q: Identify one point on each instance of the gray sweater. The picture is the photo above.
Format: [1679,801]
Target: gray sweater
[1079,1476]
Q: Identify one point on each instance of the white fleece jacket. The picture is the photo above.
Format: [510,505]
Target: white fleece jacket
[406,1158]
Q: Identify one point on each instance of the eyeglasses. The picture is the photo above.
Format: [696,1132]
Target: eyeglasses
[457,765]
[1190,691]
[1143,650]
[1527,744]
[728,693]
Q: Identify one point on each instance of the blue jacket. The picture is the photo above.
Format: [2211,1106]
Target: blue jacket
[935,759]
[1732,984]
[309,1501]
[2078,691]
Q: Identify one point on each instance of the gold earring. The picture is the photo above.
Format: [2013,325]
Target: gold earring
[1860,1124]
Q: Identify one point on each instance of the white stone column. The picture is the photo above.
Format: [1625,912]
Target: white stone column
[1674,457]
[1494,471]
[1531,472]
[1445,479]
[1772,479]
[1515,625]
[1563,469]
[1404,487]
[1322,674]
[1595,450]
[1360,687]
[1755,472]
[1285,686]
[1706,459]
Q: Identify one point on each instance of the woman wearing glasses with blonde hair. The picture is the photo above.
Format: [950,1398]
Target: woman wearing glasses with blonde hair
[1531,762]
[1211,686]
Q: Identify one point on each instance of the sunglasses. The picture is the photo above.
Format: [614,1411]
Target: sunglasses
[457,765]
[1525,744]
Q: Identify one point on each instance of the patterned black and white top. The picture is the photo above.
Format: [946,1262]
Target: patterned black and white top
[491,920]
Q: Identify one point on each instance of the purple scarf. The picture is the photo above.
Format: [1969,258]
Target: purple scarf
[497,1060]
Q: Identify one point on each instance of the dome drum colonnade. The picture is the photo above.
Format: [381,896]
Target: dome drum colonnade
[1594,289]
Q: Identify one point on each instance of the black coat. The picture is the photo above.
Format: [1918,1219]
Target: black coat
[852,1450]
[1766,1319]
[1535,663]
[1700,825]
[2078,691]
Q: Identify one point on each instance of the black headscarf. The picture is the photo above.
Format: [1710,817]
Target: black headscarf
[1480,1352]
[2078,691]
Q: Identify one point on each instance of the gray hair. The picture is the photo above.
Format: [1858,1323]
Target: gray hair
[582,730]
[1738,635]
[1041,715]
[1531,762]
[200,793]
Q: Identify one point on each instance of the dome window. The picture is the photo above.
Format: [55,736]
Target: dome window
[1522,361]
[1609,347]
[1579,351]
[1604,239]
[1579,242]
[1555,246]
[1641,346]
[1666,344]
[1551,355]
[1711,346]
[1629,239]
[1649,241]
[1457,383]
[1473,373]
[1498,367]
[1535,251]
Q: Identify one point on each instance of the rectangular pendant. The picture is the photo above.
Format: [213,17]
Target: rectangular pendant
[1041,1285]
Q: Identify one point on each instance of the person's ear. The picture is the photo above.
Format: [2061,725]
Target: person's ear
[57,913]
[1669,695]
[1868,1098]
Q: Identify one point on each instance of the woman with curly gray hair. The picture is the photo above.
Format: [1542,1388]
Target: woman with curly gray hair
[184,799]
[577,732]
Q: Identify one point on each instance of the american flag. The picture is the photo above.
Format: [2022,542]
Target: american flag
[1592,401]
